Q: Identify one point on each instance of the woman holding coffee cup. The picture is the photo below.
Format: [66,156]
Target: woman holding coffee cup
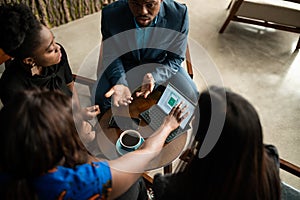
[43,157]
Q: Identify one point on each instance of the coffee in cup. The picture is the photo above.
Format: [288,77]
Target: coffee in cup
[131,140]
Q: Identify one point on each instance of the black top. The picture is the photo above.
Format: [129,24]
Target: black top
[15,78]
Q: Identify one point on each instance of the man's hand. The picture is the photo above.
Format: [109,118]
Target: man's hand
[121,95]
[147,85]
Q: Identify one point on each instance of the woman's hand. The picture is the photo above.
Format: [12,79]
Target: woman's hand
[176,116]
[90,112]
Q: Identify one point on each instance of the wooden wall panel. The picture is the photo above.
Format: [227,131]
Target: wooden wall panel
[58,12]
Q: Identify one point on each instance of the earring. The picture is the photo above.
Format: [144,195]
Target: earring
[34,69]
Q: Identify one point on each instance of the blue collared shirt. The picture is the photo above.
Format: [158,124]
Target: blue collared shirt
[143,33]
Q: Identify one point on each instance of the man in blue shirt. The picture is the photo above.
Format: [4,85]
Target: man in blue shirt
[144,41]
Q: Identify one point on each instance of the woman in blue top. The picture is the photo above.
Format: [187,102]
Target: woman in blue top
[42,156]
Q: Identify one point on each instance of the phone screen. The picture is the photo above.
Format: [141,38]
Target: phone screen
[124,123]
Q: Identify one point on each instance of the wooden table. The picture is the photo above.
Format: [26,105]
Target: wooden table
[107,136]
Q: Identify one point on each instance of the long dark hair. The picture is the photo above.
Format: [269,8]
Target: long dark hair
[20,30]
[38,133]
[238,166]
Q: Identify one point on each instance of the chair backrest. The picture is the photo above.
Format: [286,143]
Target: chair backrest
[188,60]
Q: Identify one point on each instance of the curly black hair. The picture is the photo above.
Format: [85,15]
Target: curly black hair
[19,30]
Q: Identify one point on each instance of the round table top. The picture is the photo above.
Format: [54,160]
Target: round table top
[108,136]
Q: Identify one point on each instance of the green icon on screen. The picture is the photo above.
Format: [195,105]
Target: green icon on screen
[172,100]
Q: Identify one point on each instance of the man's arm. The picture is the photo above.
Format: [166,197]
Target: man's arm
[167,69]
[176,51]
[111,62]
[175,43]
[112,65]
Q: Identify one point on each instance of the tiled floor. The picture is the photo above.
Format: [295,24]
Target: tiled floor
[257,62]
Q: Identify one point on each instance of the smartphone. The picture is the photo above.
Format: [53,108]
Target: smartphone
[124,123]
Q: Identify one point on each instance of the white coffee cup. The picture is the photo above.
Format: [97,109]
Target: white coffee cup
[131,140]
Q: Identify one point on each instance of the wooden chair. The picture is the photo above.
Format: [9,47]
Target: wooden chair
[188,61]
[278,14]
[289,167]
